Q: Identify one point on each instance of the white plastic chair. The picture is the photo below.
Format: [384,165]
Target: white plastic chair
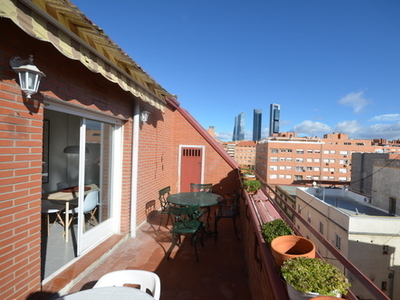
[146,279]
[89,207]
[48,208]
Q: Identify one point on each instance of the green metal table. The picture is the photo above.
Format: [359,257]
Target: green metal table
[201,199]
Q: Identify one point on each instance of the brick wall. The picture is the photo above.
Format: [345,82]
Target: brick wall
[20,184]
[21,123]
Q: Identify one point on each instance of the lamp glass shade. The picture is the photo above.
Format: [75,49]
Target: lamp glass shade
[144,115]
[29,82]
[29,75]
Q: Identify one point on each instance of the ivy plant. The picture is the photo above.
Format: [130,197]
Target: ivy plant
[314,275]
[275,228]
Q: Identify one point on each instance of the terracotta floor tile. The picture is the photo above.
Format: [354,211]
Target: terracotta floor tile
[219,274]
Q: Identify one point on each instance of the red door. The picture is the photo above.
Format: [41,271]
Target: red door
[191,159]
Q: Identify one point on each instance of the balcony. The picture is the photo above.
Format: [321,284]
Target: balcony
[228,268]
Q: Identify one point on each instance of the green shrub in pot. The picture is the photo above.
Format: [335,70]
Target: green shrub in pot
[275,228]
[314,275]
[252,186]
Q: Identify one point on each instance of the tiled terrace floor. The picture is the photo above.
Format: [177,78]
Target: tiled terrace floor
[219,274]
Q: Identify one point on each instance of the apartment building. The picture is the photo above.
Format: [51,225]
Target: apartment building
[243,152]
[285,158]
[376,175]
[230,148]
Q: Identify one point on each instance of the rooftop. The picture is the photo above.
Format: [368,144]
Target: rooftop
[353,207]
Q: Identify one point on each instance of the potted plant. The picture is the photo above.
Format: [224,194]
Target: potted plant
[275,228]
[311,277]
[251,186]
[249,175]
[290,246]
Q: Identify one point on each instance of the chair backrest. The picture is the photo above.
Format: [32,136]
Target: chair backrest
[187,212]
[49,205]
[91,201]
[145,279]
[236,197]
[162,196]
[201,187]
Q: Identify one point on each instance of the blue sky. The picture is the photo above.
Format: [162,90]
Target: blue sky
[332,65]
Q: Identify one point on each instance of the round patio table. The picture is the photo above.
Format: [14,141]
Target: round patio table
[201,199]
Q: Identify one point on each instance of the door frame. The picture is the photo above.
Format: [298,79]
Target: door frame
[102,231]
[203,148]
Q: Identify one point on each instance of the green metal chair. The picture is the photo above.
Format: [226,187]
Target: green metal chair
[162,197]
[227,209]
[185,221]
[201,187]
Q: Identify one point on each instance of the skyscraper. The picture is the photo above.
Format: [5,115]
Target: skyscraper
[257,119]
[238,130]
[274,119]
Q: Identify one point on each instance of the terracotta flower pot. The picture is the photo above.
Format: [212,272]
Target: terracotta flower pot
[291,246]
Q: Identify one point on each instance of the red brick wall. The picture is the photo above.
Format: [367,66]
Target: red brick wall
[216,171]
[160,138]
[21,123]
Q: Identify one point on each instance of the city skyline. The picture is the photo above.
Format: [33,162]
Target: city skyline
[330,68]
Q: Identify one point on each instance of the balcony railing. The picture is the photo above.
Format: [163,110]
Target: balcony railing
[264,278]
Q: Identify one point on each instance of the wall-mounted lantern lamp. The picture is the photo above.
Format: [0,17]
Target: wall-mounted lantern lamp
[29,75]
[144,116]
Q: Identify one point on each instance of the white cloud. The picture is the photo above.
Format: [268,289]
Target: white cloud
[387,117]
[264,132]
[311,128]
[355,100]
[356,130]
[351,128]
[224,136]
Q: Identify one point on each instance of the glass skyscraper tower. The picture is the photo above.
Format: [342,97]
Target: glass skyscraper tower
[274,119]
[238,130]
[257,117]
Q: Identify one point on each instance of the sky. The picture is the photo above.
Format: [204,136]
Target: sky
[331,65]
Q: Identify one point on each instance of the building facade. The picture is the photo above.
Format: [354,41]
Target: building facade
[90,100]
[376,175]
[285,158]
[362,165]
[245,153]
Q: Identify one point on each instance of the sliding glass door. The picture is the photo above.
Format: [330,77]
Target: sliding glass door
[81,164]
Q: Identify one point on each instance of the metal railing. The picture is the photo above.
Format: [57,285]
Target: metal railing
[262,207]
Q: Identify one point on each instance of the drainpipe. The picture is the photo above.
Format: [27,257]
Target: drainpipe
[135,160]
[391,278]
